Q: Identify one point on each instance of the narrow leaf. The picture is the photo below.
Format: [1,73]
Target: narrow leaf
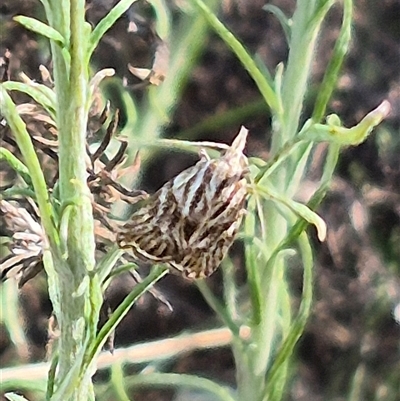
[283,20]
[176,380]
[334,132]
[41,94]
[41,28]
[16,165]
[242,54]
[332,71]
[107,22]
[108,262]
[298,208]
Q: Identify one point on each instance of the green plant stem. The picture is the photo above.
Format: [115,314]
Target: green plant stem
[265,332]
[218,307]
[81,370]
[305,29]
[252,262]
[297,327]
[333,69]
[285,180]
[75,314]
[306,24]
[118,382]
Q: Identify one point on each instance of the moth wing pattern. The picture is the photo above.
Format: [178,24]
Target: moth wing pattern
[193,219]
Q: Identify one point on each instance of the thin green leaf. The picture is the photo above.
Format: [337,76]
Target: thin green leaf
[119,270]
[316,199]
[41,94]
[130,108]
[45,5]
[106,23]
[281,17]
[41,28]
[92,314]
[180,380]
[335,63]
[297,167]
[264,69]
[334,132]
[269,328]
[72,380]
[156,274]
[241,53]
[188,146]
[306,26]
[51,377]
[108,262]
[252,261]
[271,165]
[52,278]
[319,13]
[64,230]
[163,18]
[278,83]
[10,381]
[16,165]
[18,191]
[298,208]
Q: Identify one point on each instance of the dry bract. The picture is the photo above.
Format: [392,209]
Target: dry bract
[27,243]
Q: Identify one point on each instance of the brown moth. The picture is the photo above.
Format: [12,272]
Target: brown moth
[192,220]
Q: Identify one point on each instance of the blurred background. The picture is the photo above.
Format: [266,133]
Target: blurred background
[353,335]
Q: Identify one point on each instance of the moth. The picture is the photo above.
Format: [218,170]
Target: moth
[192,220]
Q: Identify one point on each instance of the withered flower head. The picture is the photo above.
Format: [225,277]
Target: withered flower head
[191,222]
[27,243]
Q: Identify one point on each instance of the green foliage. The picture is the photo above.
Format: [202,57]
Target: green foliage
[275,225]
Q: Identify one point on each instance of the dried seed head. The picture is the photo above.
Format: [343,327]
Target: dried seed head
[27,243]
[191,222]
[104,160]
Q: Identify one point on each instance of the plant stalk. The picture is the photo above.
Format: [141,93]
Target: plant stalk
[71,74]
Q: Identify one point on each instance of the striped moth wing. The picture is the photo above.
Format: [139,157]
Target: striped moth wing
[192,220]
